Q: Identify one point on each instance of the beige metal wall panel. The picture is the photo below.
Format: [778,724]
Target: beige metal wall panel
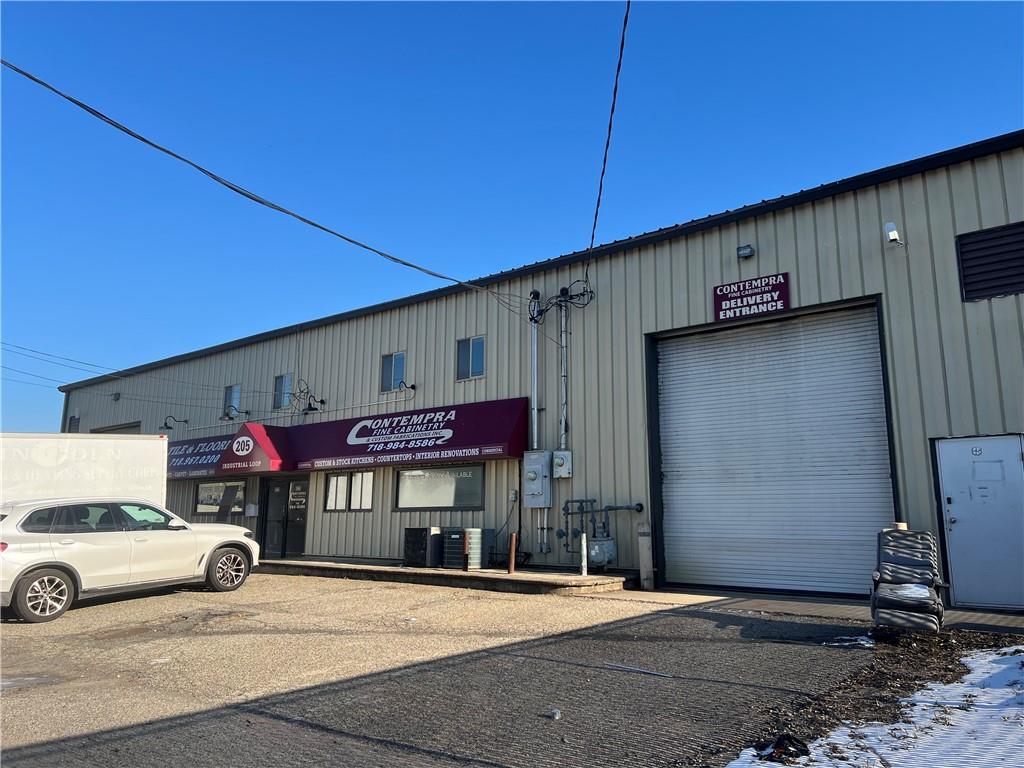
[954,368]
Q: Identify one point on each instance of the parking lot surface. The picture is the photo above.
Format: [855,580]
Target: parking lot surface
[310,671]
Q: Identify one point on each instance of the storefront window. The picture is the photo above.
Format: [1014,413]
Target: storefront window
[223,499]
[441,488]
[350,491]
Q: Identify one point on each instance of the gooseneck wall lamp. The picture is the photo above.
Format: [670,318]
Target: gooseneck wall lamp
[227,416]
[313,405]
[169,419]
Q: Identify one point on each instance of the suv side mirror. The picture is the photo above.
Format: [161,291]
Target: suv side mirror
[177,527]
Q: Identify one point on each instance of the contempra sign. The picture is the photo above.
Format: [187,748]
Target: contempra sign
[472,431]
[494,429]
[756,296]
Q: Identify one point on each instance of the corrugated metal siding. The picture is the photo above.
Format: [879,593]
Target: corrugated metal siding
[954,369]
[775,455]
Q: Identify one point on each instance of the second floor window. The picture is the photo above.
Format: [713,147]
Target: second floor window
[392,371]
[282,390]
[232,399]
[469,357]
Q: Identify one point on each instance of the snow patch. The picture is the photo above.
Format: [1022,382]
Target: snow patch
[976,722]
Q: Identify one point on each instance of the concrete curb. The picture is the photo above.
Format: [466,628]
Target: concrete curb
[527,582]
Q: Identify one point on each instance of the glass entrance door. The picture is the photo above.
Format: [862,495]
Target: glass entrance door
[284,527]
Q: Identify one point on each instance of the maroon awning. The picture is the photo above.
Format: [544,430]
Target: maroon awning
[494,429]
[256,448]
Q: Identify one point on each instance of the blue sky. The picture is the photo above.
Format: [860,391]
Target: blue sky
[463,136]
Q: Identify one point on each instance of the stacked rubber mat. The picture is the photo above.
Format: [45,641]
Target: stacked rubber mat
[906,583]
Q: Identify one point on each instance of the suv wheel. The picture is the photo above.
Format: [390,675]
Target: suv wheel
[227,570]
[43,595]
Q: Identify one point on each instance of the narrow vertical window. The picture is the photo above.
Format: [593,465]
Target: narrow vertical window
[232,399]
[361,487]
[282,390]
[469,358]
[392,371]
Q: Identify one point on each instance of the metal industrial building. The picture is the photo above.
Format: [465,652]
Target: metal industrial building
[773,384]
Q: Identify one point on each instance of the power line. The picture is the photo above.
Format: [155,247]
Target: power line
[30,383]
[607,141]
[253,196]
[29,373]
[113,373]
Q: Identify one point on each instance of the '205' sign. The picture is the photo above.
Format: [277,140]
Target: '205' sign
[243,445]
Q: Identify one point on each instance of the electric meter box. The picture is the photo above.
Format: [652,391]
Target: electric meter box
[562,464]
[537,479]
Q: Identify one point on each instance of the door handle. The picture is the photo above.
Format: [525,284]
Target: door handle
[66,541]
[141,538]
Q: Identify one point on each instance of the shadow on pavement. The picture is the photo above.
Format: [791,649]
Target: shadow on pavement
[681,687]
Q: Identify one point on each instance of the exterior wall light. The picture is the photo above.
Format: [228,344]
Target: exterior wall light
[313,405]
[403,385]
[168,419]
[745,252]
[892,235]
[227,413]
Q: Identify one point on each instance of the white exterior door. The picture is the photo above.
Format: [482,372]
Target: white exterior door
[982,485]
[88,537]
[157,553]
[775,454]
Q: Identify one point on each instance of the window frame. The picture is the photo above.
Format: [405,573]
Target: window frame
[217,481]
[394,385]
[348,491]
[117,520]
[27,515]
[127,520]
[463,508]
[230,400]
[286,397]
[482,337]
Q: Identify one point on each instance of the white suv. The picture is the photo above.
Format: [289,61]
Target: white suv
[55,551]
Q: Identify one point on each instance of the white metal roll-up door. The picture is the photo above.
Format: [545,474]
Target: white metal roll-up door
[775,457]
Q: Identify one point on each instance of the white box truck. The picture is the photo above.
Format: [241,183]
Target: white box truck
[52,466]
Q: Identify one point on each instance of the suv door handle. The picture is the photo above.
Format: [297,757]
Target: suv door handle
[66,541]
[141,538]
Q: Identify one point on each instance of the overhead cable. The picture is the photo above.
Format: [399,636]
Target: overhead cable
[499,298]
[607,141]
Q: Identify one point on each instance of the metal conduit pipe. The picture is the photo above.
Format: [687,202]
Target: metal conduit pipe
[535,316]
[563,406]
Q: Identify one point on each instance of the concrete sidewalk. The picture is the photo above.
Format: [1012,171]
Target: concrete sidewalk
[524,582]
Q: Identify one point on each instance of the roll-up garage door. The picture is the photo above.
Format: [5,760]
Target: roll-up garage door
[775,458]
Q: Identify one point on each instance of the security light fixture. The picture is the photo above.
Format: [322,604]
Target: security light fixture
[745,252]
[403,385]
[313,405]
[176,421]
[892,235]
[227,413]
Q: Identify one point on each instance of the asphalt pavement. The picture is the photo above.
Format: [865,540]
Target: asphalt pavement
[299,671]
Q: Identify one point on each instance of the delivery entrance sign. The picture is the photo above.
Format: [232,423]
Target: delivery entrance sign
[748,298]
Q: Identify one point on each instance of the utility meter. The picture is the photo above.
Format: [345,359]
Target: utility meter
[537,479]
[562,464]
